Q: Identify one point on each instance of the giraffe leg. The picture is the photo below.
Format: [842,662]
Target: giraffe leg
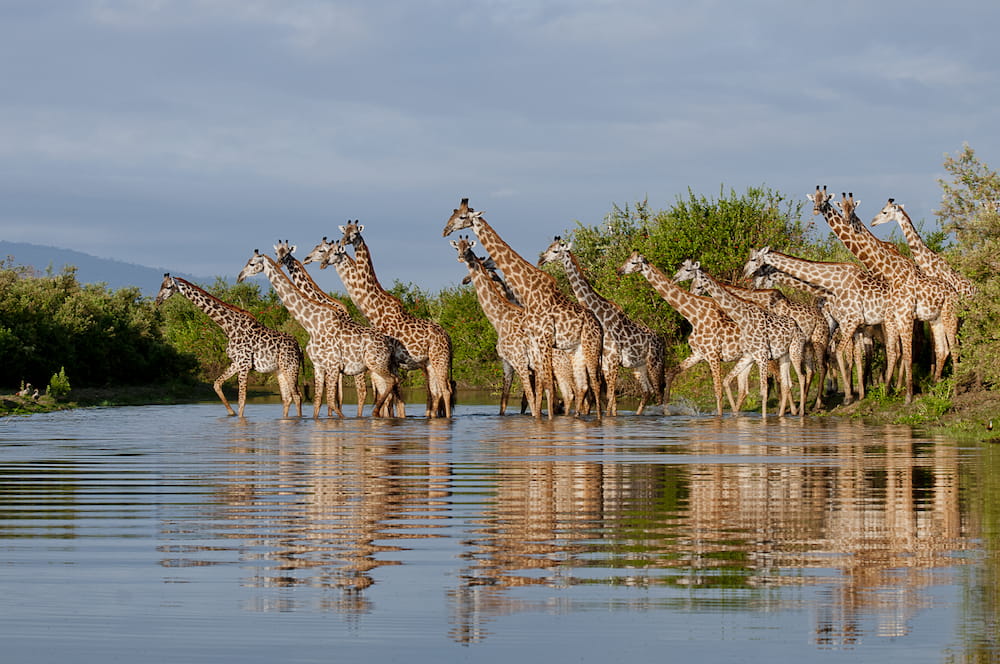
[507,381]
[226,375]
[611,382]
[361,388]
[523,374]
[906,355]
[762,368]
[286,396]
[386,383]
[319,380]
[742,367]
[797,362]
[242,382]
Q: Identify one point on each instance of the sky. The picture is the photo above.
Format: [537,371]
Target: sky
[185,134]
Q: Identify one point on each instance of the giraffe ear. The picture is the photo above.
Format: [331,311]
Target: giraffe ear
[361,227]
[343,229]
[472,243]
[453,244]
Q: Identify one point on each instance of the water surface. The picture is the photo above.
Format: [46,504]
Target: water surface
[177,533]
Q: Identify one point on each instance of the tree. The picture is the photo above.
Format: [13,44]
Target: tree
[969,209]
[719,232]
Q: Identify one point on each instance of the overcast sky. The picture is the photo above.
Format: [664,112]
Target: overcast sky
[185,134]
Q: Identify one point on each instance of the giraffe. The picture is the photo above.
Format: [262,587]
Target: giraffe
[810,320]
[928,260]
[525,339]
[337,344]
[577,329]
[763,337]
[425,341]
[627,343]
[562,364]
[912,296]
[252,345]
[305,283]
[854,298]
[714,337]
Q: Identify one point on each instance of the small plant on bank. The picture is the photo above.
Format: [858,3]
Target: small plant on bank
[59,386]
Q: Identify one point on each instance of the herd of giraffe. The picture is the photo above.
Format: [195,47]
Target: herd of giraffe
[576,347]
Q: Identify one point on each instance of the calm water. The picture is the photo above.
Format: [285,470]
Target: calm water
[174,533]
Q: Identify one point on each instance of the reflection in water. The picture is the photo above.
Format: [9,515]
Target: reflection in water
[868,520]
[495,517]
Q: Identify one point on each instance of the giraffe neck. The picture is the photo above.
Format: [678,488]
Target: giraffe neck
[493,302]
[922,254]
[788,279]
[363,260]
[825,275]
[230,318]
[584,292]
[374,303]
[688,304]
[303,281]
[302,308]
[736,308]
[878,256]
[532,286]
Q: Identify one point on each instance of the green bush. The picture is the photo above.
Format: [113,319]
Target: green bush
[58,385]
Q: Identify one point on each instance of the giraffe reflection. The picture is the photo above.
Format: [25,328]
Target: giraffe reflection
[866,520]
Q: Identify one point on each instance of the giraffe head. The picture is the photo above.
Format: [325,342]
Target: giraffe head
[689,270]
[255,265]
[464,248]
[555,251]
[167,288]
[462,217]
[820,199]
[758,259]
[284,252]
[763,276]
[892,211]
[634,263]
[352,232]
[318,252]
[334,255]
[848,205]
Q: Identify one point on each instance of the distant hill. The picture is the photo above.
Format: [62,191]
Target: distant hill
[91,269]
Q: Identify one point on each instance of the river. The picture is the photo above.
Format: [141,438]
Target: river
[176,533]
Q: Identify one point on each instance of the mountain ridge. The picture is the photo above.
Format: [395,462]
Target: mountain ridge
[91,269]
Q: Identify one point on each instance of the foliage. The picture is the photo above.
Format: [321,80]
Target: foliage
[51,322]
[718,232]
[58,387]
[969,210]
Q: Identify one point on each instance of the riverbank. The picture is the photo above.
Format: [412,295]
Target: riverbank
[970,415]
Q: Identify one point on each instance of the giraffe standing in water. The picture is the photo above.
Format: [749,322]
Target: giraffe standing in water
[714,337]
[855,299]
[337,344]
[763,337]
[578,332]
[297,272]
[425,341]
[810,320]
[626,342]
[524,338]
[252,345]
